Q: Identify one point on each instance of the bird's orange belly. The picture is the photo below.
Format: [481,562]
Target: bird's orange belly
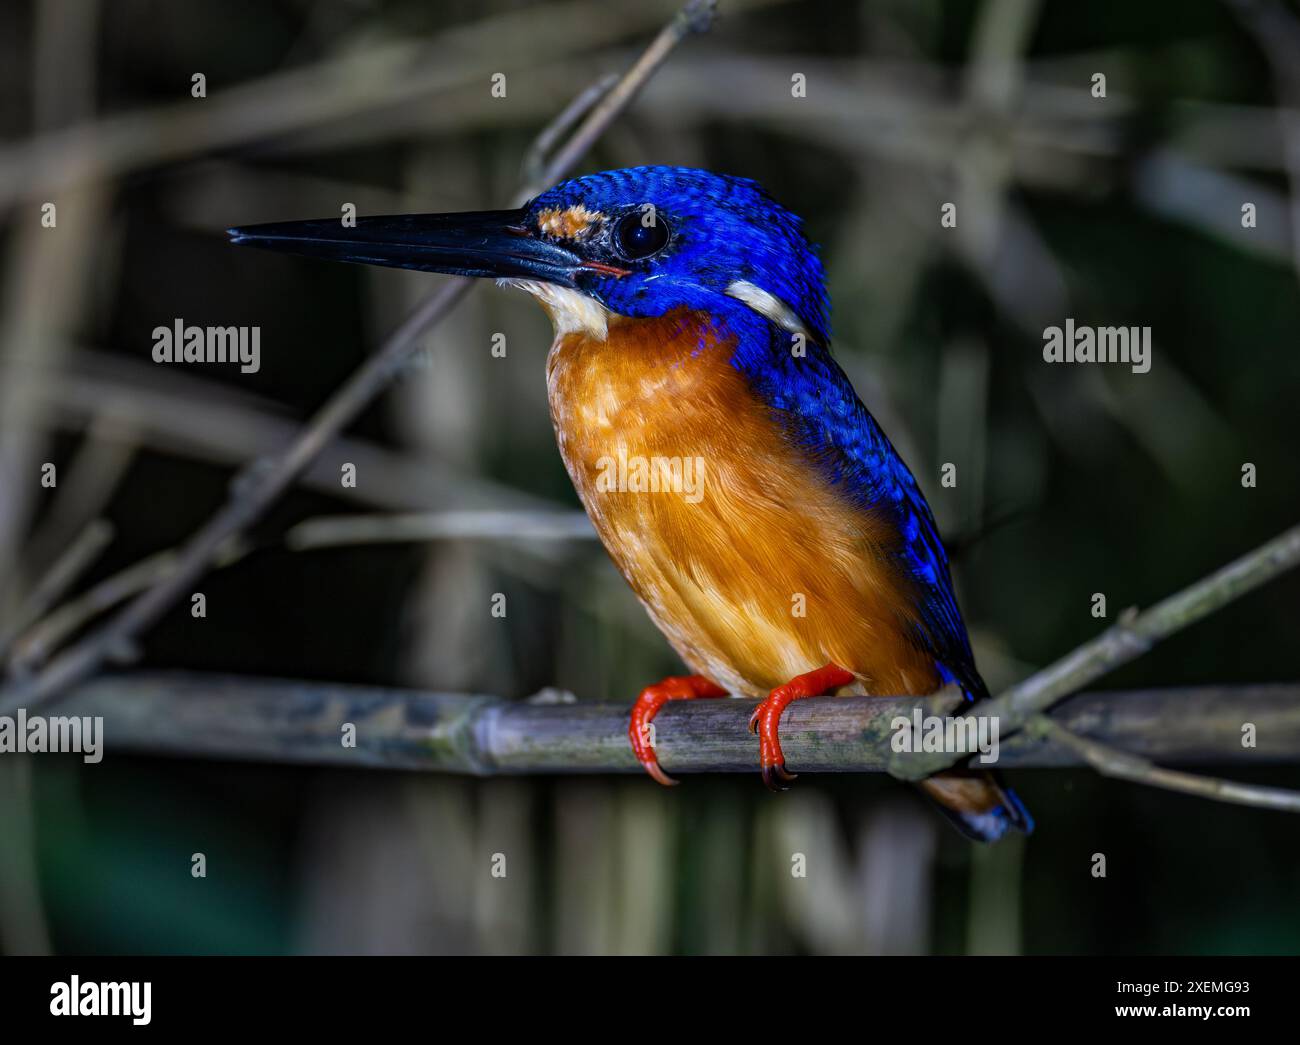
[754,568]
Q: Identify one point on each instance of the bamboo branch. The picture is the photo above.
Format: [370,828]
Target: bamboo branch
[263,481]
[1111,762]
[217,716]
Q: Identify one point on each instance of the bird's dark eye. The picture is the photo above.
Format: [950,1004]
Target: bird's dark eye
[638,236]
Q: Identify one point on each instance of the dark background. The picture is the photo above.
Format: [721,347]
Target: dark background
[1072,480]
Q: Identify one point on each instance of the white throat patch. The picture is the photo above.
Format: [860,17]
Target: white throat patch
[768,305]
[571,311]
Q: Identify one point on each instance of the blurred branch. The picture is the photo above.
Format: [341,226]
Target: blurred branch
[334,530]
[76,558]
[35,638]
[358,83]
[695,16]
[1276,31]
[534,165]
[221,716]
[33,647]
[994,81]
[173,413]
[902,110]
[262,482]
[46,288]
[1178,189]
[1056,135]
[90,480]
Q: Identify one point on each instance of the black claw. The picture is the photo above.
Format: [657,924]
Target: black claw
[775,778]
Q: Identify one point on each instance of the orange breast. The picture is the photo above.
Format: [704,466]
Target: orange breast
[753,569]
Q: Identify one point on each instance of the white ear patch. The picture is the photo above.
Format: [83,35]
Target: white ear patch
[768,305]
[571,311]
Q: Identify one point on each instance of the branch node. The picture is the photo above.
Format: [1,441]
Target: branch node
[698,16]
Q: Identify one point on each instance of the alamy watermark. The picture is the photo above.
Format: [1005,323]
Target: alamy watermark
[1082,344]
[966,734]
[181,344]
[633,473]
[35,734]
[73,997]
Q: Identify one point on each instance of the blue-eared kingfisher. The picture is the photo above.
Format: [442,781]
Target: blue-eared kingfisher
[692,343]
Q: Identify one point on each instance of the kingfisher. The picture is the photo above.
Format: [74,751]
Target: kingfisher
[751,501]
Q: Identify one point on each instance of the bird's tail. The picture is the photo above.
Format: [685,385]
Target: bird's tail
[978,804]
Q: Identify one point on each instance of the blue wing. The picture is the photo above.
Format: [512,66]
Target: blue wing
[816,402]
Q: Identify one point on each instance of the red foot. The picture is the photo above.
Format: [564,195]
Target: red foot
[679,687]
[766,719]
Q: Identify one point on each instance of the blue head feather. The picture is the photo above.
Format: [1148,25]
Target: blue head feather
[723,229]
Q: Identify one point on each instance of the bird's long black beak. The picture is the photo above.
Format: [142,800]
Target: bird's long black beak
[493,243]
